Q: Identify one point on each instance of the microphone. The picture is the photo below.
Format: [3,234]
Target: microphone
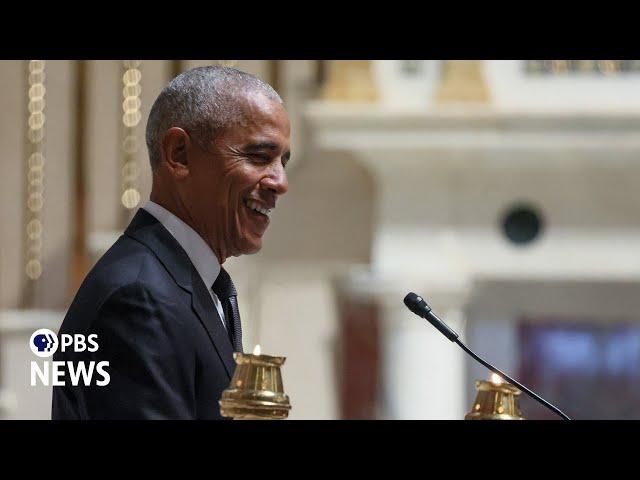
[417,305]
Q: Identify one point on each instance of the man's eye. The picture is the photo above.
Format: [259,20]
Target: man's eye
[261,157]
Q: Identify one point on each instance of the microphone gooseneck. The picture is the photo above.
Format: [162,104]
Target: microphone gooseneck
[417,305]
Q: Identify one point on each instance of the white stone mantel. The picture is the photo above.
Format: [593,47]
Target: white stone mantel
[377,128]
[425,163]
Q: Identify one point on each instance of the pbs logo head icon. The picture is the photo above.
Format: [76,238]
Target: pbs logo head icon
[43,342]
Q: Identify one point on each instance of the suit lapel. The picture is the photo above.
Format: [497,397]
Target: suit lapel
[146,229]
[202,304]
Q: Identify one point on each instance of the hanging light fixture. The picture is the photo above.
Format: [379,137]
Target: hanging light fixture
[35,168]
[131,116]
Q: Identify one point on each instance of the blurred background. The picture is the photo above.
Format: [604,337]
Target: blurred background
[504,192]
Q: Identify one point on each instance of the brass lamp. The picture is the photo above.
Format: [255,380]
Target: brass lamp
[495,400]
[256,390]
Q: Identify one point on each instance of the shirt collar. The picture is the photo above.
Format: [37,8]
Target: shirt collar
[200,254]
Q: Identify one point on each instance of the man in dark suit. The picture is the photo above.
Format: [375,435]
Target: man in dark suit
[164,309]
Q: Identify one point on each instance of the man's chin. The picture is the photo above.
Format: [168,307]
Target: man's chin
[250,247]
[251,251]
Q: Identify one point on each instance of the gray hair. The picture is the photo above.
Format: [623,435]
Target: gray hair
[203,101]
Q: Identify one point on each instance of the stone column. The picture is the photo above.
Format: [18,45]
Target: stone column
[422,373]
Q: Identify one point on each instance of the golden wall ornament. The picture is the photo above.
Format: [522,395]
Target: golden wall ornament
[462,82]
[36,121]
[350,81]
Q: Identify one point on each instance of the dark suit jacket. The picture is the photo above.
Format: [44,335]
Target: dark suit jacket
[169,354]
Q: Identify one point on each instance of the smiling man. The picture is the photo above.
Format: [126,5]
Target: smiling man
[164,309]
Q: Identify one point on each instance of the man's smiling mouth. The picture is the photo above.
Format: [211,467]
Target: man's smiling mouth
[256,207]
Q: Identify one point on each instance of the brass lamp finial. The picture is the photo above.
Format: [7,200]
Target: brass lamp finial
[495,400]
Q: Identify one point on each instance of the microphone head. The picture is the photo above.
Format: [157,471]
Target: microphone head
[416,304]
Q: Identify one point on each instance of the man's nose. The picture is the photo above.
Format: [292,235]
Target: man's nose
[276,181]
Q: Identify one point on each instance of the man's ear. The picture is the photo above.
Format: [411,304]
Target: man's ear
[175,145]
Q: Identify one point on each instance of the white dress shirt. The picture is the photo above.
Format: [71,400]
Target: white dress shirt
[198,251]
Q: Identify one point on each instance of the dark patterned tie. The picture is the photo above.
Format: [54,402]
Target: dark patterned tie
[225,290]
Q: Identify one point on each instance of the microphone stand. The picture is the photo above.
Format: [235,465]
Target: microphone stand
[418,306]
[507,378]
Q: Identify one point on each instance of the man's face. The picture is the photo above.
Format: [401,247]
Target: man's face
[233,188]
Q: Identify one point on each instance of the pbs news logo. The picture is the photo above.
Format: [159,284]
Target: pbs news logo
[44,343]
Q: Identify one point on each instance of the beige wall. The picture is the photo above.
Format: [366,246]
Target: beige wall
[53,287]
[12,110]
